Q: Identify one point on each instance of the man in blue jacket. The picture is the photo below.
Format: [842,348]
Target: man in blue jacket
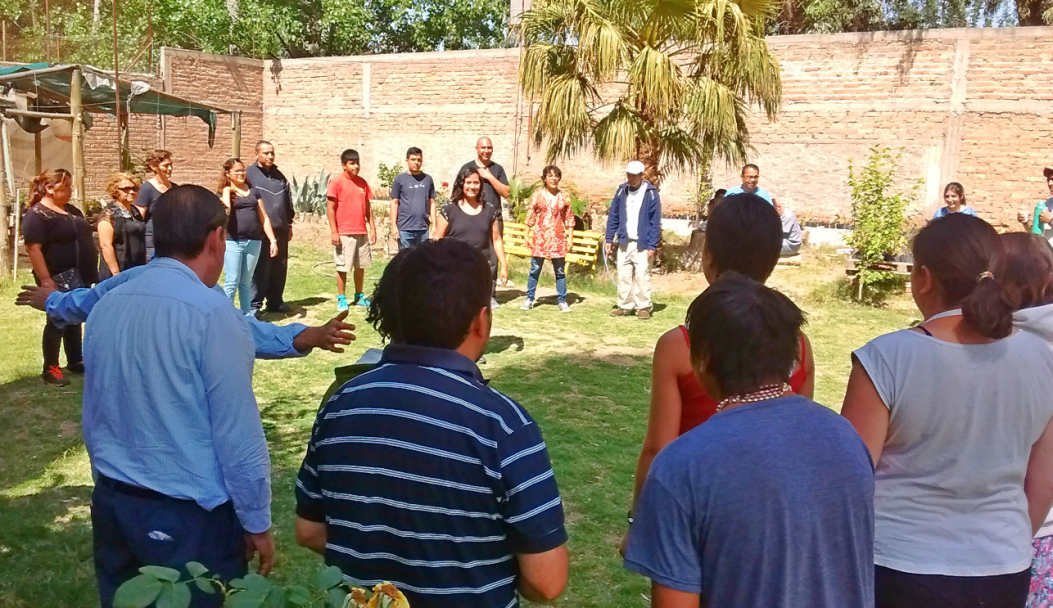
[634,225]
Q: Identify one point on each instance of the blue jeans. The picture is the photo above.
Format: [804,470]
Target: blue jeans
[535,273]
[409,238]
[238,265]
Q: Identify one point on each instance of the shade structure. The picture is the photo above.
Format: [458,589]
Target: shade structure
[51,86]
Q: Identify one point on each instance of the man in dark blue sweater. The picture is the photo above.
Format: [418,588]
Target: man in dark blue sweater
[268,282]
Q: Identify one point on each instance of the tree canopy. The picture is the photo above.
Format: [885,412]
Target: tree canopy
[81,30]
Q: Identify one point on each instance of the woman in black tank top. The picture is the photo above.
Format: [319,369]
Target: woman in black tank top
[468,218]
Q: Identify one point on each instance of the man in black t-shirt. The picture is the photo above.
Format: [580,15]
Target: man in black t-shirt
[495,182]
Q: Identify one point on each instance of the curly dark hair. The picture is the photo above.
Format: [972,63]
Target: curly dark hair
[457,193]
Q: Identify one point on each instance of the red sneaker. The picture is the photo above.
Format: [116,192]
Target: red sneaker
[54,376]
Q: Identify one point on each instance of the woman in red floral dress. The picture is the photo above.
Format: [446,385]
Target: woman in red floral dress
[550,232]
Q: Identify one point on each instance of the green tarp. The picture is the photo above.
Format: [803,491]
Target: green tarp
[97,92]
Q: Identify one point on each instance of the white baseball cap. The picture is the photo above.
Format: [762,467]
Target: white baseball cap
[634,168]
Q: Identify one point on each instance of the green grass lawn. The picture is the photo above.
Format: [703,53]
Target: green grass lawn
[583,376]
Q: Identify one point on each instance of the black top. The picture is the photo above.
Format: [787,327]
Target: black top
[244,223]
[476,230]
[274,190]
[489,194]
[148,195]
[129,238]
[66,240]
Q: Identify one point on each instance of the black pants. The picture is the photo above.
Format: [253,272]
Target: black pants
[69,337]
[895,589]
[134,527]
[268,281]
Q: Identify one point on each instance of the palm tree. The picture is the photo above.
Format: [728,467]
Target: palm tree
[668,82]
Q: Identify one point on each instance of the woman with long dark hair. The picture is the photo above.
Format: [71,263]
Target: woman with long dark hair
[247,226]
[1028,282]
[467,217]
[956,413]
[954,198]
[63,256]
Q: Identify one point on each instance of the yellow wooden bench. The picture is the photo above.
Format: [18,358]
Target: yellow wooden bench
[583,249]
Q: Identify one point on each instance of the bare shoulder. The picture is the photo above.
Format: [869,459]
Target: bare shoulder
[672,351]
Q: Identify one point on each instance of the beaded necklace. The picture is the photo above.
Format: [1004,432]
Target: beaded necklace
[772,391]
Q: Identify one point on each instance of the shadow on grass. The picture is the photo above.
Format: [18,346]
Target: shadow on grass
[499,344]
[41,423]
[47,549]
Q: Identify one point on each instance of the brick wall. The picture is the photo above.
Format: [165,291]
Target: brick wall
[231,83]
[972,105]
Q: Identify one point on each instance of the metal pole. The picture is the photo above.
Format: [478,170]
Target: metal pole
[5,245]
[78,138]
[117,91]
[38,161]
[5,141]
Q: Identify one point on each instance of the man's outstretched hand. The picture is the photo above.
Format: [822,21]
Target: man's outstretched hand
[36,297]
[331,336]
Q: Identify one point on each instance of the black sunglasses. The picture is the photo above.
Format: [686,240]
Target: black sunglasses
[128,189]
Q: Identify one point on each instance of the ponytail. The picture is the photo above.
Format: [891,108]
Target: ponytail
[987,310]
[51,178]
[967,257]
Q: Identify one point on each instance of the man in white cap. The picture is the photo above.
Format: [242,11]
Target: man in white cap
[1045,218]
[634,225]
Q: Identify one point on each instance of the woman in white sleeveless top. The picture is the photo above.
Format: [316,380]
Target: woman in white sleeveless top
[956,413]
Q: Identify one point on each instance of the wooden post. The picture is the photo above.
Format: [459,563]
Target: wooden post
[14,249]
[235,140]
[78,139]
[38,161]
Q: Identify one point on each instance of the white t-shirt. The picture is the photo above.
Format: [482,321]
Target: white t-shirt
[949,492]
[1039,321]
[633,203]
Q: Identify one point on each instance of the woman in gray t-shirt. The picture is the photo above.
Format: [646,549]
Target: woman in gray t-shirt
[956,413]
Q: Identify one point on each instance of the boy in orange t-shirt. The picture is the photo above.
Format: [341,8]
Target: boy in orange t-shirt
[351,226]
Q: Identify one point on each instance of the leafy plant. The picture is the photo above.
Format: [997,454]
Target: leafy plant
[309,195]
[878,214]
[166,588]
[387,174]
[519,193]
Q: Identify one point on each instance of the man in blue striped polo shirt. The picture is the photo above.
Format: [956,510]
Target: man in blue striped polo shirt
[417,472]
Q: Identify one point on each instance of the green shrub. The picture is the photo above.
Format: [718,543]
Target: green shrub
[387,174]
[878,215]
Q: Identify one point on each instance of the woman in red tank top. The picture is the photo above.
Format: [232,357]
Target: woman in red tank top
[743,235]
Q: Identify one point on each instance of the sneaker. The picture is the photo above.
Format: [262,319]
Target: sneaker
[54,377]
[494,304]
[644,313]
[362,300]
[481,361]
[281,308]
[75,368]
[621,312]
[341,303]
[527,305]
[564,307]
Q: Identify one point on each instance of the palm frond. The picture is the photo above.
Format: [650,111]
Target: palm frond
[656,83]
[617,135]
[563,117]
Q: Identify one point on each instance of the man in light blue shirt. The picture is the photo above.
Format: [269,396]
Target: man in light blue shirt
[750,179]
[271,341]
[181,467]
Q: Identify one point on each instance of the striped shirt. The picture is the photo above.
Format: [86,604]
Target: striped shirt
[431,480]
